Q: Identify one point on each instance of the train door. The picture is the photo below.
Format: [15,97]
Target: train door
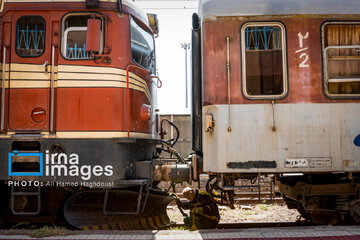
[30,73]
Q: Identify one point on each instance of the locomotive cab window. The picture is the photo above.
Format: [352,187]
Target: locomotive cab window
[142,46]
[75,29]
[263,60]
[341,50]
[30,36]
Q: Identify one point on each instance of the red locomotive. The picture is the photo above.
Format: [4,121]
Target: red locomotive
[78,114]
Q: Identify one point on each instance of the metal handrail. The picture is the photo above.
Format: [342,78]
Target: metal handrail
[159,82]
[52,90]
[3,91]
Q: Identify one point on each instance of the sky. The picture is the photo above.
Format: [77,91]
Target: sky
[175,28]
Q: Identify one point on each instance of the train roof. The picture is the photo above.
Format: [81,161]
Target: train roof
[131,4]
[220,8]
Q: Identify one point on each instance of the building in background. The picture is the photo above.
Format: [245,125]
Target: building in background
[175,28]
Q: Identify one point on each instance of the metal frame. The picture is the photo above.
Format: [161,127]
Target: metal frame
[325,62]
[65,47]
[16,35]
[141,183]
[326,72]
[13,194]
[63,34]
[154,67]
[258,186]
[2,2]
[284,60]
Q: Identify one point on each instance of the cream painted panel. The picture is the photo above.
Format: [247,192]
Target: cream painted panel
[312,131]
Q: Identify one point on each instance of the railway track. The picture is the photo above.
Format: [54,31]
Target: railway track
[244,198]
[243,225]
[257,225]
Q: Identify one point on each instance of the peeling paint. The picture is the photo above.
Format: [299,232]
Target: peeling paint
[252,164]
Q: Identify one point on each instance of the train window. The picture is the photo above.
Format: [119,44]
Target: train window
[30,36]
[263,60]
[142,46]
[341,49]
[74,38]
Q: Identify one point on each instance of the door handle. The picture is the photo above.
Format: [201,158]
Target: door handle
[46,64]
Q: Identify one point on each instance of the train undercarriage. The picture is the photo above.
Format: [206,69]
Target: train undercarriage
[133,207]
[140,204]
[328,198]
[323,198]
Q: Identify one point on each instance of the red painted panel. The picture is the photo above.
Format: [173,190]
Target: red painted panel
[77,109]
[98,109]
[305,84]
[22,102]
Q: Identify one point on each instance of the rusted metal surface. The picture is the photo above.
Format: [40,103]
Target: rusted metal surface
[172,173]
[303,124]
[305,84]
[320,134]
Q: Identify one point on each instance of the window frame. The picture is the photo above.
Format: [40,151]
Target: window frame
[2,2]
[16,37]
[66,32]
[324,60]
[62,38]
[152,71]
[284,60]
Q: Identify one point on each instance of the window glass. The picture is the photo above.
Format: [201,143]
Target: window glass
[74,43]
[142,46]
[263,60]
[342,58]
[30,36]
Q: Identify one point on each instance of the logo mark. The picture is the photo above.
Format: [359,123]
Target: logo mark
[17,154]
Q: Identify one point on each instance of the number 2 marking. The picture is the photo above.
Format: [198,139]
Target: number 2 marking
[303,63]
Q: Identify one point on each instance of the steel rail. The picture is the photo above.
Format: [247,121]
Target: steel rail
[257,225]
